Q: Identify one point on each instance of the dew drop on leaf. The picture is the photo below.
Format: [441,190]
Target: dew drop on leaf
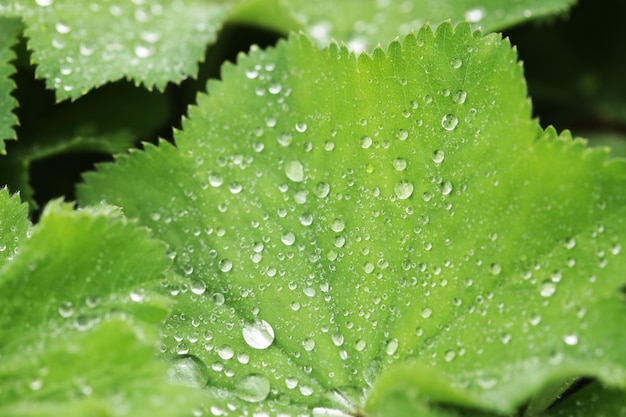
[474,15]
[308,344]
[571,339]
[438,156]
[252,388]
[392,347]
[459,96]
[321,189]
[403,189]
[198,287]
[258,335]
[44,3]
[449,122]
[294,171]
[548,288]
[456,63]
[225,265]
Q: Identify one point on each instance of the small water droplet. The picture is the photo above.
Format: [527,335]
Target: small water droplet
[252,388]
[571,339]
[258,335]
[294,171]
[198,287]
[337,225]
[495,269]
[403,189]
[321,189]
[308,344]
[459,96]
[449,122]
[548,288]
[285,139]
[142,51]
[66,309]
[449,355]
[301,127]
[456,62]
[426,312]
[44,3]
[402,134]
[446,187]
[225,265]
[62,28]
[138,295]
[360,345]
[474,15]
[366,142]
[392,347]
[399,164]
[438,156]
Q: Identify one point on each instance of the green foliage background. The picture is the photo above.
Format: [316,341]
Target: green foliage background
[332,228]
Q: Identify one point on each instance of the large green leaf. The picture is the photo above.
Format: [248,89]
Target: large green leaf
[72,294]
[332,217]
[593,400]
[79,45]
[9,30]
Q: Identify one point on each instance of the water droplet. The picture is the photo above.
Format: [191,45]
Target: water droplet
[66,309]
[288,239]
[294,171]
[571,339]
[456,62]
[548,288]
[360,345]
[225,265]
[138,295]
[570,243]
[426,312]
[235,187]
[142,51]
[308,344]
[403,189]
[258,335]
[62,28]
[446,187]
[198,287]
[275,88]
[337,339]
[150,37]
[495,269]
[44,3]
[449,122]
[301,127]
[392,347]
[285,139]
[438,156]
[252,388]
[428,99]
[36,384]
[474,15]
[321,189]
[449,355]
[337,225]
[215,179]
[188,370]
[225,352]
[459,96]
[399,164]
[366,142]
[402,134]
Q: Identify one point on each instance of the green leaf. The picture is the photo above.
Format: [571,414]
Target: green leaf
[79,45]
[72,294]
[9,31]
[14,225]
[339,219]
[362,26]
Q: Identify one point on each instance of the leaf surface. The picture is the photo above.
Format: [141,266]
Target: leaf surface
[364,216]
[79,45]
[78,314]
[593,400]
[9,30]
[82,45]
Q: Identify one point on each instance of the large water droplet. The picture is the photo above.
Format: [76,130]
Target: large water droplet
[449,122]
[294,171]
[258,335]
[456,62]
[459,96]
[252,388]
[403,189]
